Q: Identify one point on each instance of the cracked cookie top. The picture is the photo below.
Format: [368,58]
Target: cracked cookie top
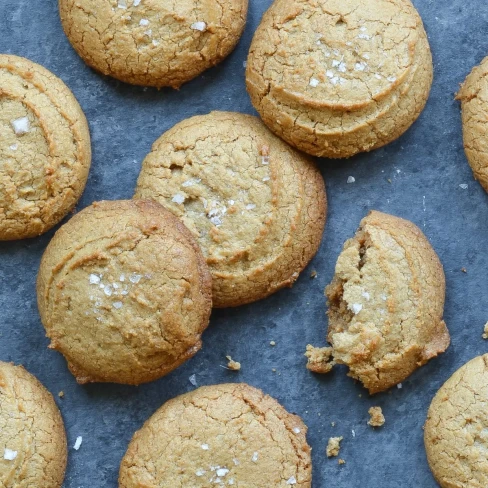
[153,42]
[45,151]
[32,436]
[474,102]
[456,431]
[124,292]
[256,206]
[225,435]
[386,302]
[327,75]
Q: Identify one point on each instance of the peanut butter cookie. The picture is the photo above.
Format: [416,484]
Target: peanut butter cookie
[153,42]
[219,436]
[474,103]
[339,77]
[124,293]
[45,151]
[455,433]
[256,206]
[32,437]
[386,302]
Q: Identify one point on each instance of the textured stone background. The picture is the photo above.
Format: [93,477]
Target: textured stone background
[426,167]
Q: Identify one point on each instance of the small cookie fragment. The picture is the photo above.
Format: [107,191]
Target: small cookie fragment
[386,302]
[153,43]
[341,461]
[485,333]
[377,418]
[32,435]
[221,435]
[256,206]
[233,365]
[45,150]
[334,446]
[113,304]
[455,433]
[319,359]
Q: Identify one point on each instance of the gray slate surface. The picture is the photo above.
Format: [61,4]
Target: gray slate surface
[426,167]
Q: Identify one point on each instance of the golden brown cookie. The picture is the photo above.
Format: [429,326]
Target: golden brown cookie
[32,438]
[474,103]
[225,435]
[455,434]
[153,42]
[124,293]
[386,302]
[256,206]
[339,77]
[45,151]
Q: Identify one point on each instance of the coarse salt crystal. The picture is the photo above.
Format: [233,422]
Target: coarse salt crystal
[144,22]
[391,79]
[244,64]
[14,147]
[122,278]
[222,472]
[314,82]
[179,198]
[353,432]
[251,206]
[94,279]
[216,221]
[136,3]
[360,66]
[122,4]
[135,278]
[191,182]
[351,179]
[117,305]
[329,73]
[108,290]
[193,380]
[231,481]
[9,455]
[255,457]
[200,472]
[384,297]
[464,186]
[366,295]
[236,462]
[364,36]
[78,442]
[21,126]
[204,447]
[155,42]
[148,32]
[291,481]
[399,386]
[296,430]
[377,76]
[266,178]
[356,307]
[199,26]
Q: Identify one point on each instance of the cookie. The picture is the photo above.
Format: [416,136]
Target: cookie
[219,436]
[32,437]
[338,77]
[153,42]
[474,103]
[386,302]
[455,433]
[124,293]
[45,151]
[256,207]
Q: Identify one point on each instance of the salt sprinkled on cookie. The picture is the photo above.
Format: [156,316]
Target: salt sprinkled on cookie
[9,455]
[199,26]
[21,126]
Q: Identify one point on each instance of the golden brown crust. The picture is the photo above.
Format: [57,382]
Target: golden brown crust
[256,206]
[473,96]
[338,77]
[455,432]
[32,435]
[45,150]
[386,302]
[150,42]
[124,292]
[216,434]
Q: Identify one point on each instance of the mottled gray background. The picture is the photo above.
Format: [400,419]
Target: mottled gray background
[426,167]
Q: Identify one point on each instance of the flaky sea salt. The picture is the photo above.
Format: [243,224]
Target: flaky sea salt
[356,307]
[204,447]
[351,179]
[179,198]
[200,472]
[78,442]
[291,481]
[255,457]
[118,305]
[296,430]
[108,290]
[222,472]
[464,186]
[144,22]
[94,279]
[135,278]
[251,206]
[193,380]
[122,4]
[314,83]
[136,3]
[21,126]
[199,26]
[9,455]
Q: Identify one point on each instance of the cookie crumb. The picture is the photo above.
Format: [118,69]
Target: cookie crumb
[233,365]
[313,274]
[464,270]
[78,442]
[332,424]
[272,343]
[61,394]
[319,359]
[377,418]
[334,446]
[341,461]
[485,334]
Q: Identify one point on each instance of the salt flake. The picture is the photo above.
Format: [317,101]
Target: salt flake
[78,442]
[21,126]
[199,26]
[94,279]
[9,455]
[291,481]
[179,198]
[144,22]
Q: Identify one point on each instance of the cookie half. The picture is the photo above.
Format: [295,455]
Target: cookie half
[45,151]
[386,302]
[153,42]
[455,433]
[474,103]
[256,206]
[32,437]
[124,293]
[339,77]
[219,436]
